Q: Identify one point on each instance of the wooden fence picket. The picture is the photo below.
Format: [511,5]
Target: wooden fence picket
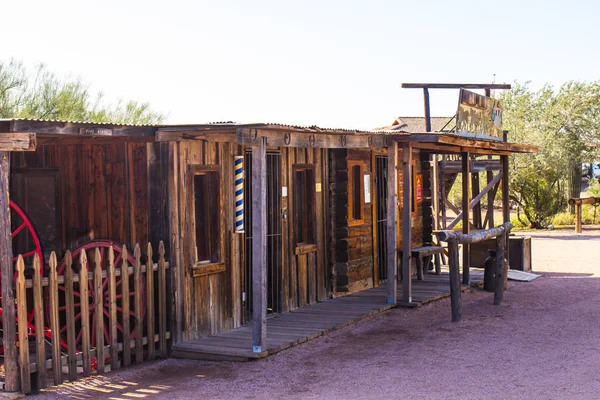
[38,311]
[70,313]
[125,307]
[99,311]
[23,331]
[112,303]
[162,300]
[84,292]
[139,321]
[150,303]
[54,324]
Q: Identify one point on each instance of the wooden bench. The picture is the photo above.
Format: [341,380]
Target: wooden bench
[426,252]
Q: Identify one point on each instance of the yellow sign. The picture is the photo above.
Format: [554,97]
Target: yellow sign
[479,116]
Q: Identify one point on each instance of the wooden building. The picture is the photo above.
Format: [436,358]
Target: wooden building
[325,211]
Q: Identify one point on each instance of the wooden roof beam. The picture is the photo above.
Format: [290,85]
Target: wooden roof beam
[17,141]
[456,86]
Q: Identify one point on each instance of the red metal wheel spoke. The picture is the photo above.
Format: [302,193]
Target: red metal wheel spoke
[78,339]
[29,253]
[63,308]
[19,229]
[106,334]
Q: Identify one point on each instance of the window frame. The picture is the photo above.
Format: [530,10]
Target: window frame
[309,194]
[351,192]
[215,263]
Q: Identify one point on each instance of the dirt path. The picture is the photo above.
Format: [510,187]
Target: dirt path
[543,342]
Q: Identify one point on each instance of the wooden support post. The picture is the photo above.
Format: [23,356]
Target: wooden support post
[477,223]
[392,222]
[9,326]
[499,290]
[427,110]
[465,212]
[490,199]
[406,224]
[577,218]
[505,194]
[435,191]
[443,194]
[455,293]
[259,246]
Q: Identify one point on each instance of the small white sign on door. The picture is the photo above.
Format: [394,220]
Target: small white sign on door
[367,185]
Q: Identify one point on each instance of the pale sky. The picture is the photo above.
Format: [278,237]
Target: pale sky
[336,64]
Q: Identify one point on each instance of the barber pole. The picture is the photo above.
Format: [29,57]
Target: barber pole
[238,162]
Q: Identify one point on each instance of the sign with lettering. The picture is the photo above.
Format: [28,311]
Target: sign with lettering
[479,116]
[419,187]
[95,131]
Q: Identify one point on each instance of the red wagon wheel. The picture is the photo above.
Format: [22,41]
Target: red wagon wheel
[23,231]
[90,248]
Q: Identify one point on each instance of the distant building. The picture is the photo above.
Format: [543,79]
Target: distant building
[417,124]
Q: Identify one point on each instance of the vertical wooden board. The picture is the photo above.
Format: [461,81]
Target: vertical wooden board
[392,222]
[70,317]
[138,192]
[7,270]
[215,305]
[236,289]
[38,309]
[99,316]
[455,292]
[70,210]
[176,271]
[285,244]
[118,207]
[311,266]
[293,269]
[302,279]
[321,205]
[125,313]
[225,158]
[112,310]
[99,211]
[202,321]
[85,313]
[162,301]
[259,246]
[158,193]
[190,154]
[54,321]
[374,219]
[22,325]
[137,307]
[406,224]
[150,288]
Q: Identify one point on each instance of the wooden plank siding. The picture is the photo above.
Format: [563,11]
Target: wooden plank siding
[103,190]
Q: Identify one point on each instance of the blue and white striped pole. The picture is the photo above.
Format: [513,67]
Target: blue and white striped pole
[238,166]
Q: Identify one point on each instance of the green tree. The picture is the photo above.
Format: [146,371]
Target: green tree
[564,125]
[42,95]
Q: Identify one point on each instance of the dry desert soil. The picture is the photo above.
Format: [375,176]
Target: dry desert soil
[543,342]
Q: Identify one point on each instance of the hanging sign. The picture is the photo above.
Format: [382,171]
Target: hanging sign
[419,187]
[479,116]
[238,166]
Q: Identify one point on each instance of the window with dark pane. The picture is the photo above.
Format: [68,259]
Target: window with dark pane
[356,192]
[304,205]
[207,214]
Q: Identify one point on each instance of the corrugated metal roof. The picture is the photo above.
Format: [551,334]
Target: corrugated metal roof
[60,121]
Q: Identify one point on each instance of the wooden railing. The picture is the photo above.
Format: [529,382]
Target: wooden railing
[454,239]
[577,203]
[92,338]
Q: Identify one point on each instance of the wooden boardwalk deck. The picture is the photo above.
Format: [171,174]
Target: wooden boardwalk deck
[306,323]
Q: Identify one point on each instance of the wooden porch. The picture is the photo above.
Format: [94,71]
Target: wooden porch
[309,322]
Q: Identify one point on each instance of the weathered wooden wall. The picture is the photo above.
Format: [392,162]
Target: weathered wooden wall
[352,244]
[103,190]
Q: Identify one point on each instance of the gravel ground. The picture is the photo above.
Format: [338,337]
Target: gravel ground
[542,342]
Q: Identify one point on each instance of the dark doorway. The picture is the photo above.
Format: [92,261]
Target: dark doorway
[274,235]
[381,181]
[36,192]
